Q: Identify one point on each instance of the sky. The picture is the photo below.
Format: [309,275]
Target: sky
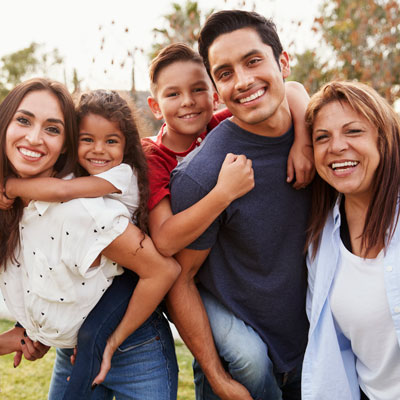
[73,27]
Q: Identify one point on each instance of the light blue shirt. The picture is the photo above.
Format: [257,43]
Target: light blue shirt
[329,367]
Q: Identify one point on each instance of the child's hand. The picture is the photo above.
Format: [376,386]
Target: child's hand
[236,176]
[300,163]
[5,202]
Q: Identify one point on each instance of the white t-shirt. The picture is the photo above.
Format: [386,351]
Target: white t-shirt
[125,180]
[52,288]
[361,309]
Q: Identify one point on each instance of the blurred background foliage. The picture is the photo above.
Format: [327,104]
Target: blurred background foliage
[357,39]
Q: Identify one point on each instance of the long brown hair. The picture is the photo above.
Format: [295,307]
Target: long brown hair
[9,219]
[381,215]
[112,106]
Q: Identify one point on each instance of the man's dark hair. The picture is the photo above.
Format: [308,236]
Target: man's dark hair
[228,21]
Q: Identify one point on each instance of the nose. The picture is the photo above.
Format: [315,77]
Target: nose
[338,143]
[98,146]
[34,136]
[244,79]
[187,100]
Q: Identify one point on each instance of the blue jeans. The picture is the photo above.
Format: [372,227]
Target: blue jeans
[143,367]
[245,357]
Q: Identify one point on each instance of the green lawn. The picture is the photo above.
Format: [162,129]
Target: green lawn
[30,381]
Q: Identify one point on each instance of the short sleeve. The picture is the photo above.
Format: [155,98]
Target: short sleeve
[184,193]
[119,176]
[94,225]
[159,169]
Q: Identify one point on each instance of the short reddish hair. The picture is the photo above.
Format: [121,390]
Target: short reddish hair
[168,55]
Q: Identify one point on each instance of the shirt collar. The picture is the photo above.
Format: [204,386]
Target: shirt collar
[39,206]
[336,212]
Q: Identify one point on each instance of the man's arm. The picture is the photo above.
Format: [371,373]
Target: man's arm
[188,314]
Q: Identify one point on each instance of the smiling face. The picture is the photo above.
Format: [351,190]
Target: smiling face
[101,144]
[185,99]
[345,149]
[248,79]
[36,134]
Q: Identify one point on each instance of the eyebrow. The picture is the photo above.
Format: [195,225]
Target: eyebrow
[226,65]
[343,126]
[52,120]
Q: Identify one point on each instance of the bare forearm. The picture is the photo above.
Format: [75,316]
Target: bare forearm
[181,229]
[10,341]
[55,190]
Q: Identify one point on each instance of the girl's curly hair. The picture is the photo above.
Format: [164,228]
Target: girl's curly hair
[110,105]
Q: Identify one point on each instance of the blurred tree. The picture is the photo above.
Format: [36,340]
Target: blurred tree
[362,39]
[76,82]
[183,25]
[22,64]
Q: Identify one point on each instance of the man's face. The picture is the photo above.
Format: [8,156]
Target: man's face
[248,78]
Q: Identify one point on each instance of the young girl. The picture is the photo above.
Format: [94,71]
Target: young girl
[106,138]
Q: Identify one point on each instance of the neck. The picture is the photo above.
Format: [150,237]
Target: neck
[177,143]
[356,208]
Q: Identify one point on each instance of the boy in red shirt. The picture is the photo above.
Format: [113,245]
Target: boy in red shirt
[183,95]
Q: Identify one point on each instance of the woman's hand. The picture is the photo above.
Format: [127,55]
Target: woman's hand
[31,350]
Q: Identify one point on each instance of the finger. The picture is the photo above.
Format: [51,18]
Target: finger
[229,158]
[40,349]
[17,358]
[300,182]
[241,158]
[290,171]
[28,349]
[104,368]
[73,356]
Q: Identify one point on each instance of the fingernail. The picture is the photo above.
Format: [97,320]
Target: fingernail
[15,366]
[25,334]
[22,341]
[94,386]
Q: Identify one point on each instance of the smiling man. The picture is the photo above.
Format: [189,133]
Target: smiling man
[244,317]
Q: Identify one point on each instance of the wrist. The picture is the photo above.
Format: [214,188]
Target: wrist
[8,189]
[222,197]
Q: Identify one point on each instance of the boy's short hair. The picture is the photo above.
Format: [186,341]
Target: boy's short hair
[228,21]
[168,55]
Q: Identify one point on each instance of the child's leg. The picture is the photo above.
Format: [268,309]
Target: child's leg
[93,335]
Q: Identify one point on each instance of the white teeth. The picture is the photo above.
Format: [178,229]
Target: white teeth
[253,96]
[99,162]
[29,153]
[187,116]
[344,164]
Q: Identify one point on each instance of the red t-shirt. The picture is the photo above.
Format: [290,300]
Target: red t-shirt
[161,160]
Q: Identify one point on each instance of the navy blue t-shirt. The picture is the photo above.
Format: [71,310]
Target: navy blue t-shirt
[256,265]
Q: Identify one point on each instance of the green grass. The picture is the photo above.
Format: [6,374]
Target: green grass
[30,381]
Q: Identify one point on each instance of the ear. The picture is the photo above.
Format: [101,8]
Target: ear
[216,101]
[284,64]
[154,107]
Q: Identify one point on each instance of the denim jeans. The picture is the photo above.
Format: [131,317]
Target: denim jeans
[245,357]
[143,367]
